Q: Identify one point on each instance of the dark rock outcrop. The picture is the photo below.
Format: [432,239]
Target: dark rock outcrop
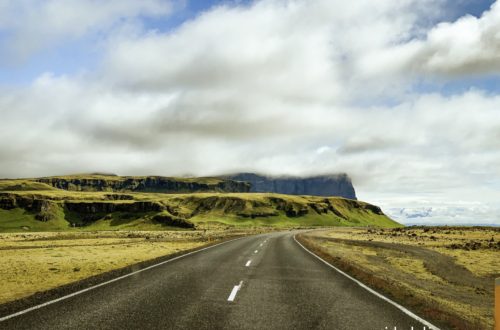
[324,185]
[145,184]
[7,202]
[110,207]
[169,220]
[291,209]
[45,209]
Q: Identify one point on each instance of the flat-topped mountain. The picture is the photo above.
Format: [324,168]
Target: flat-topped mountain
[322,185]
[326,185]
[96,202]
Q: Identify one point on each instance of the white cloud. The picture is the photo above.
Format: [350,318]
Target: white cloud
[274,47]
[467,46]
[446,212]
[34,25]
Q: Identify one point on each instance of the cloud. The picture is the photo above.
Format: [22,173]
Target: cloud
[468,46]
[33,25]
[283,87]
[458,213]
[271,47]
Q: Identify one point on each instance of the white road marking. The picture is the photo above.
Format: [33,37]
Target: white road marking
[5,318]
[261,244]
[255,251]
[395,304]
[248,263]
[236,288]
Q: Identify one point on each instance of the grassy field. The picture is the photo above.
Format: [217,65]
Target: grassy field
[35,262]
[445,274]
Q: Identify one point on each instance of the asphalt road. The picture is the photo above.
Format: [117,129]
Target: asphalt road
[272,281]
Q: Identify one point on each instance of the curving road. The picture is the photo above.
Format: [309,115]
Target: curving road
[261,282]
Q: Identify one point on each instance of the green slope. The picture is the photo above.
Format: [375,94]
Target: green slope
[24,210]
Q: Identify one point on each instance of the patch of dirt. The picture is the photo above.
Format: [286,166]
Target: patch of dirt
[437,263]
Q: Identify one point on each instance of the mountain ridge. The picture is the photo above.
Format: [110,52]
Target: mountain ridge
[317,185]
[62,210]
[160,184]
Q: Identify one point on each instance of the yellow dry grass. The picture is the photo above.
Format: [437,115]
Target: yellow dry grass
[356,254]
[481,262]
[31,263]
[413,267]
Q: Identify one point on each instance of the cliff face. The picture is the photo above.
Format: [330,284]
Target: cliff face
[43,208]
[144,184]
[325,185]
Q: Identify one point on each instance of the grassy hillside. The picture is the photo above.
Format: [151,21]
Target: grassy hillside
[23,185]
[32,206]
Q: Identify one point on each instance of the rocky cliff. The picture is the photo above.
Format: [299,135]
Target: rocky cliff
[144,184]
[324,185]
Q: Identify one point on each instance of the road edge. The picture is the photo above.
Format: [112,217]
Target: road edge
[149,264]
[364,286]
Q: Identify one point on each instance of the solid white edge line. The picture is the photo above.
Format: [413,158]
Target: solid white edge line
[364,286]
[235,290]
[5,318]
[248,263]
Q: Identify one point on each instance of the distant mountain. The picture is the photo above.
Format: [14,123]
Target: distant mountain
[159,184]
[336,185]
[322,185]
[101,202]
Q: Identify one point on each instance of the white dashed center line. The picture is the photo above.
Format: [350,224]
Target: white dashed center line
[236,288]
[255,251]
[248,263]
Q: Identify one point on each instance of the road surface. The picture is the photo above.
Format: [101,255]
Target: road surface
[261,282]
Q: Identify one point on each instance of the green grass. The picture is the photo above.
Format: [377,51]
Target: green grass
[313,220]
[234,209]
[17,219]
[135,223]
[115,178]
[23,185]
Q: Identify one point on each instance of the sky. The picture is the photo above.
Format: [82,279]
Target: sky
[402,95]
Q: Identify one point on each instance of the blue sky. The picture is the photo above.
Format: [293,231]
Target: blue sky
[402,96]
[471,7]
